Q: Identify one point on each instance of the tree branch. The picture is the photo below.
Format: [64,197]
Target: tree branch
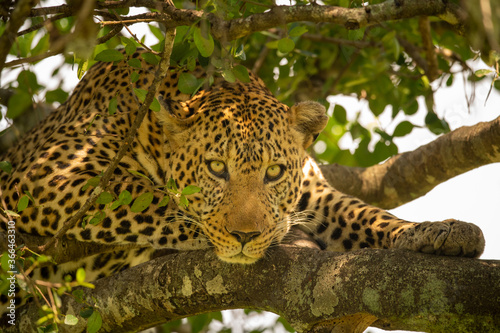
[351,18]
[403,290]
[410,175]
[432,70]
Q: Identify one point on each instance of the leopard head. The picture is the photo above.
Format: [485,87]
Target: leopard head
[245,150]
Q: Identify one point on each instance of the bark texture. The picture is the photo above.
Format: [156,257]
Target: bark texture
[315,291]
[410,175]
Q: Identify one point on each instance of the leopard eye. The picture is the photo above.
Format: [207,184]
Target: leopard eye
[218,168]
[274,172]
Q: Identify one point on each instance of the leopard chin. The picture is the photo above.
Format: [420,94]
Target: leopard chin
[239,258]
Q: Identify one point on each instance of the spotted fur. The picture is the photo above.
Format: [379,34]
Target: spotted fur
[236,141]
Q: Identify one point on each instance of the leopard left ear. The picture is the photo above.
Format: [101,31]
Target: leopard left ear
[308,119]
[176,118]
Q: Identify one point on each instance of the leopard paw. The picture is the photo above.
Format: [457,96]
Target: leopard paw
[449,237]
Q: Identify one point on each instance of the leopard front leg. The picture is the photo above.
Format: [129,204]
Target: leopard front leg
[449,237]
[342,223]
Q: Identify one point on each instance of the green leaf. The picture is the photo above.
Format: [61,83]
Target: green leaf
[57,95]
[204,42]
[151,58]
[172,186]
[228,75]
[156,31]
[164,201]
[340,114]
[18,104]
[141,94]
[199,322]
[104,198]
[86,312]
[12,213]
[403,128]
[190,189]
[240,53]
[134,77]
[130,46]
[83,66]
[134,62]
[94,181]
[286,45]
[155,105]
[29,196]
[109,55]
[377,105]
[436,125]
[27,81]
[139,174]
[142,202]
[23,203]
[94,322]
[483,72]
[411,109]
[70,320]
[183,201]
[125,197]
[297,31]
[384,150]
[78,294]
[5,262]
[6,166]
[113,104]
[285,324]
[241,73]
[449,81]
[97,218]
[52,328]
[187,83]
[80,275]
[41,46]
[272,44]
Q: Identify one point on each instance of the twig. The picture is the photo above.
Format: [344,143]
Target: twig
[359,44]
[489,28]
[424,26]
[261,58]
[115,31]
[159,75]
[124,22]
[135,37]
[413,52]
[19,15]
[56,49]
[42,24]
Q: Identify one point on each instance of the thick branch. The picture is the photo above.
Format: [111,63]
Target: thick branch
[313,290]
[410,175]
[351,18]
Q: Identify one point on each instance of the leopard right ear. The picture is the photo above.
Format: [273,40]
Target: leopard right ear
[308,119]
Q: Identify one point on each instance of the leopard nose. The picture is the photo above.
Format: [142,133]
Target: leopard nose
[244,237]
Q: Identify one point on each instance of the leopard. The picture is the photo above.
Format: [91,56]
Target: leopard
[243,149]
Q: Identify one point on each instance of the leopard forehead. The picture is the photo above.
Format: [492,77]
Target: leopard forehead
[247,126]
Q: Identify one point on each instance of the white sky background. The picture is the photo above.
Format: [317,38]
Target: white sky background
[472,197]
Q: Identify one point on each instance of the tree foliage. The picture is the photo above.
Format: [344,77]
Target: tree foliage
[392,54]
